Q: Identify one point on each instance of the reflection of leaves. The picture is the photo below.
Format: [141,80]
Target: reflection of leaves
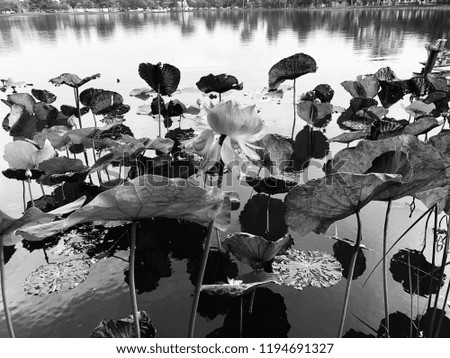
[290,68]
[399,326]
[56,277]
[343,253]
[412,263]
[124,328]
[309,144]
[301,269]
[270,185]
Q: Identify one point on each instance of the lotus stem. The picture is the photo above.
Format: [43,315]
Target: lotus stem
[241,309]
[77,104]
[95,159]
[62,192]
[433,258]
[2,281]
[425,233]
[252,300]
[131,280]
[220,97]
[268,217]
[350,275]
[200,276]
[23,197]
[385,288]
[45,255]
[293,124]
[42,189]
[95,120]
[159,110]
[410,297]
[29,191]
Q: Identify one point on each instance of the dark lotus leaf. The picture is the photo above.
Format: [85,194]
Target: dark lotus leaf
[23,99]
[366,87]
[56,277]
[167,122]
[124,328]
[440,99]
[25,127]
[355,89]
[61,165]
[254,250]
[162,106]
[324,93]
[72,111]
[13,116]
[309,145]
[418,86]
[319,203]
[54,179]
[117,112]
[424,323]
[43,95]
[386,128]
[386,74]
[270,185]
[437,83]
[399,326]
[356,334]
[175,108]
[54,134]
[163,79]
[301,269]
[178,136]
[218,83]
[316,114]
[392,92]
[350,120]
[349,137]
[290,68]
[45,203]
[421,126]
[72,80]
[76,148]
[88,94]
[410,263]
[277,152]
[343,253]
[45,112]
[105,102]
[117,132]
[19,174]
[62,120]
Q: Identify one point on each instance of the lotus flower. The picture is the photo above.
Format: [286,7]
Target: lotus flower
[238,126]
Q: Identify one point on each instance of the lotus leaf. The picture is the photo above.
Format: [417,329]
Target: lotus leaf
[14,115]
[72,111]
[43,95]
[218,83]
[421,126]
[117,113]
[349,137]
[301,269]
[25,127]
[343,252]
[61,165]
[45,112]
[25,155]
[79,136]
[437,83]
[161,109]
[290,68]
[163,79]
[22,174]
[142,93]
[241,285]
[124,328]
[391,92]
[324,93]
[55,135]
[144,197]
[366,87]
[316,114]
[144,110]
[438,196]
[386,74]
[277,153]
[317,204]
[373,112]
[254,250]
[105,102]
[72,80]
[421,165]
[88,94]
[56,277]
[270,185]
[419,109]
[349,120]
[23,99]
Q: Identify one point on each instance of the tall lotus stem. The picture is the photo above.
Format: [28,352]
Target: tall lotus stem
[410,297]
[2,281]
[350,276]
[29,191]
[23,196]
[293,124]
[159,110]
[95,119]
[42,189]
[77,104]
[252,300]
[200,276]
[131,280]
[220,97]
[433,258]
[268,217]
[385,288]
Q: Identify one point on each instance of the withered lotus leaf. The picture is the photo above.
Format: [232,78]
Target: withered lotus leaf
[348,137]
[143,197]
[218,83]
[277,152]
[317,204]
[163,79]
[254,250]
[43,95]
[72,80]
[421,126]
[300,269]
[290,68]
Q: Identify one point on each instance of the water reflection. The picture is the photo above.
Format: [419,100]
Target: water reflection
[379,31]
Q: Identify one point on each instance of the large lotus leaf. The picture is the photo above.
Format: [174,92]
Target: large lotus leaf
[277,152]
[72,80]
[290,68]
[301,269]
[421,126]
[61,165]
[105,102]
[117,113]
[349,137]
[124,328]
[366,86]
[420,164]
[316,114]
[25,155]
[26,126]
[439,196]
[175,108]
[23,99]
[241,284]
[319,203]
[45,112]
[43,95]
[218,83]
[270,185]
[419,109]
[55,135]
[143,197]
[33,216]
[14,115]
[56,277]
[254,250]
[391,92]
[88,94]
[163,79]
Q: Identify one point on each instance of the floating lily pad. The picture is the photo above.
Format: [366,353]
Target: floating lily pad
[290,68]
[301,269]
[56,277]
[218,83]
[163,79]
[124,328]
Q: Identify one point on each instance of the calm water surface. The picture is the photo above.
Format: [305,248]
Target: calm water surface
[245,44]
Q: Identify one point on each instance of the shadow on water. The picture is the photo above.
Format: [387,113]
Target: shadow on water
[343,253]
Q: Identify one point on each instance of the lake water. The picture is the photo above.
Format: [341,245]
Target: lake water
[344,43]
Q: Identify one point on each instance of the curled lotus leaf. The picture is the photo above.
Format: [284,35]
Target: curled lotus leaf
[317,204]
[43,95]
[300,269]
[163,79]
[218,83]
[254,250]
[277,152]
[45,112]
[72,80]
[56,277]
[270,185]
[439,196]
[13,117]
[124,328]
[23,99]
[316,114]
[422,166]
[241,284]
[324,93]
[386,74]
[26,155]
[105,102]
[144,197]
[61,165]
[349,137]
[290,68]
